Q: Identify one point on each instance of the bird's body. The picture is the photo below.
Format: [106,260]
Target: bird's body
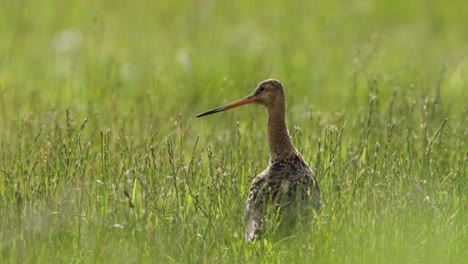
[288,182]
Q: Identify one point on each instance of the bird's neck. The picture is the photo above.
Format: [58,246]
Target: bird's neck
[279,141]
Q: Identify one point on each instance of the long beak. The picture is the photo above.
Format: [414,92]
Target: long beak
[246,100]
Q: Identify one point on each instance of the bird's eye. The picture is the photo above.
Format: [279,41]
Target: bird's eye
[262,89]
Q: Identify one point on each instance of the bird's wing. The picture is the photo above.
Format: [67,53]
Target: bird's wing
[254,207]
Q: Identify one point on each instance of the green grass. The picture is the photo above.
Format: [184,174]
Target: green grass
[103,161]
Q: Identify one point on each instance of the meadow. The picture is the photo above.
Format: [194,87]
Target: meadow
[102,159]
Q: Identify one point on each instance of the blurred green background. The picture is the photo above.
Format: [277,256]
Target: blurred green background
[69,52]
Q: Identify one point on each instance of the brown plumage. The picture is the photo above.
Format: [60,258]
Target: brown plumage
[288,182]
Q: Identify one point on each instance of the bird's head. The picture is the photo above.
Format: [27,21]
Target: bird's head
[267,93]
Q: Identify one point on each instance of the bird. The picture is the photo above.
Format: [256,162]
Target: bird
[288,182]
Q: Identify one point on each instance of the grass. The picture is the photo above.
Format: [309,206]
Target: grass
[102,160]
